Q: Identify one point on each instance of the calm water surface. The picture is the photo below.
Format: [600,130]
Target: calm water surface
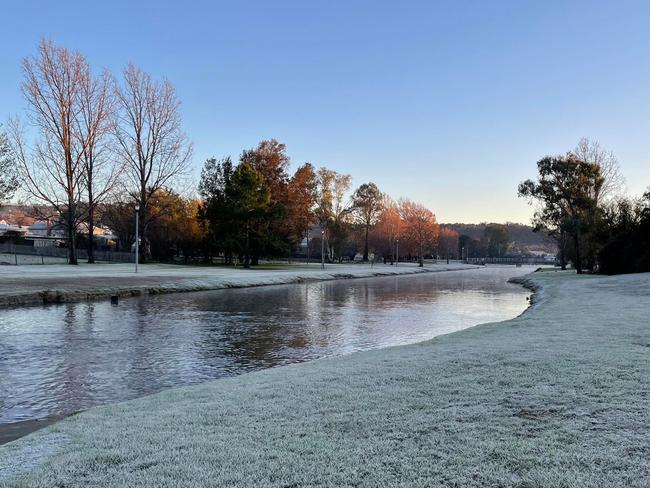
[62,358]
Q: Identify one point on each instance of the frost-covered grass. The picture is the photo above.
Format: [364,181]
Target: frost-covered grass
[559,397]
[27,285]
[22,259]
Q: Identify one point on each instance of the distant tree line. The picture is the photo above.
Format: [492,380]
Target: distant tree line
[95,149]
[494,242]
[255,209]
[579,204]
[522,240]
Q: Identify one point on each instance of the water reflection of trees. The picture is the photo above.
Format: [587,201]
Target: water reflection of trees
[85,354]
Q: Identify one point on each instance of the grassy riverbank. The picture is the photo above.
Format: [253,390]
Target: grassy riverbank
[38,284]
[558,397]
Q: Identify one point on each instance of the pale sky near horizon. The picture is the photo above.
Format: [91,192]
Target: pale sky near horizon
[447,103]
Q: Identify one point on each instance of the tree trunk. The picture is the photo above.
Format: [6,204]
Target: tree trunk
[365,247]
[562,250]
[576,244]
[142,251]
[142,213]
[91,228]
[247,255]
[72,248]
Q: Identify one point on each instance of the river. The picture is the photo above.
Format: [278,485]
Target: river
[58,359]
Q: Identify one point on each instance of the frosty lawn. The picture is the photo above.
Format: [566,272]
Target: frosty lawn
[559,397]
[34,284]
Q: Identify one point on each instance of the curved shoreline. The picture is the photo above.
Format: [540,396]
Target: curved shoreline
[13,430]
[38,286]
[550,398]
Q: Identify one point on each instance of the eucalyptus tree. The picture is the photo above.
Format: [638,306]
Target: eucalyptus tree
[566,191]
[332,209]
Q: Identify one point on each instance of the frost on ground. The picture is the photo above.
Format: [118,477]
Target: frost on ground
[558,397]
[24,285]
[24,457]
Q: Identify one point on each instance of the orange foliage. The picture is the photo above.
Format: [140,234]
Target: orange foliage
[387,230]
[420,230]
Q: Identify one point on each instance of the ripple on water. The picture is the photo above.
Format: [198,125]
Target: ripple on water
[63,358]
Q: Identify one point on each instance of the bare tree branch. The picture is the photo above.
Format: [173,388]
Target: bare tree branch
[69,166]
[593,153]
[150,141]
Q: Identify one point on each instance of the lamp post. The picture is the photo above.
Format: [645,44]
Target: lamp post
[137,236]
[322,249]
[397,252]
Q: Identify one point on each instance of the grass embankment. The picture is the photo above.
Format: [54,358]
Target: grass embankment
[35,285]
[558,397]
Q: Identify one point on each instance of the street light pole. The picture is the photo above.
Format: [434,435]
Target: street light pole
[137,236]
[322,249]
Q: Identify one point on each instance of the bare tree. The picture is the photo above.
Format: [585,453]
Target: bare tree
[8,173]
[593,153]
[52,168]
[150,139]
[94,128]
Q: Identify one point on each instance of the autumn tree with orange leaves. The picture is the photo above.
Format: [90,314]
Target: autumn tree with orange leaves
[302,196]
[421,231]
[387,230]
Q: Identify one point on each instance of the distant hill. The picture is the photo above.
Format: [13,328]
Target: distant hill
[521,236]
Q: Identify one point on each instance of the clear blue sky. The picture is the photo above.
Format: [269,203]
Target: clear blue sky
[449,103]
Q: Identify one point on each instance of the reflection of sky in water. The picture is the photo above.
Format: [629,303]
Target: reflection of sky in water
[62,358]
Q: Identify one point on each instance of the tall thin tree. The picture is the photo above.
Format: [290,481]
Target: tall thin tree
[301,202]
[52,169]
[150,139]
[94,128]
